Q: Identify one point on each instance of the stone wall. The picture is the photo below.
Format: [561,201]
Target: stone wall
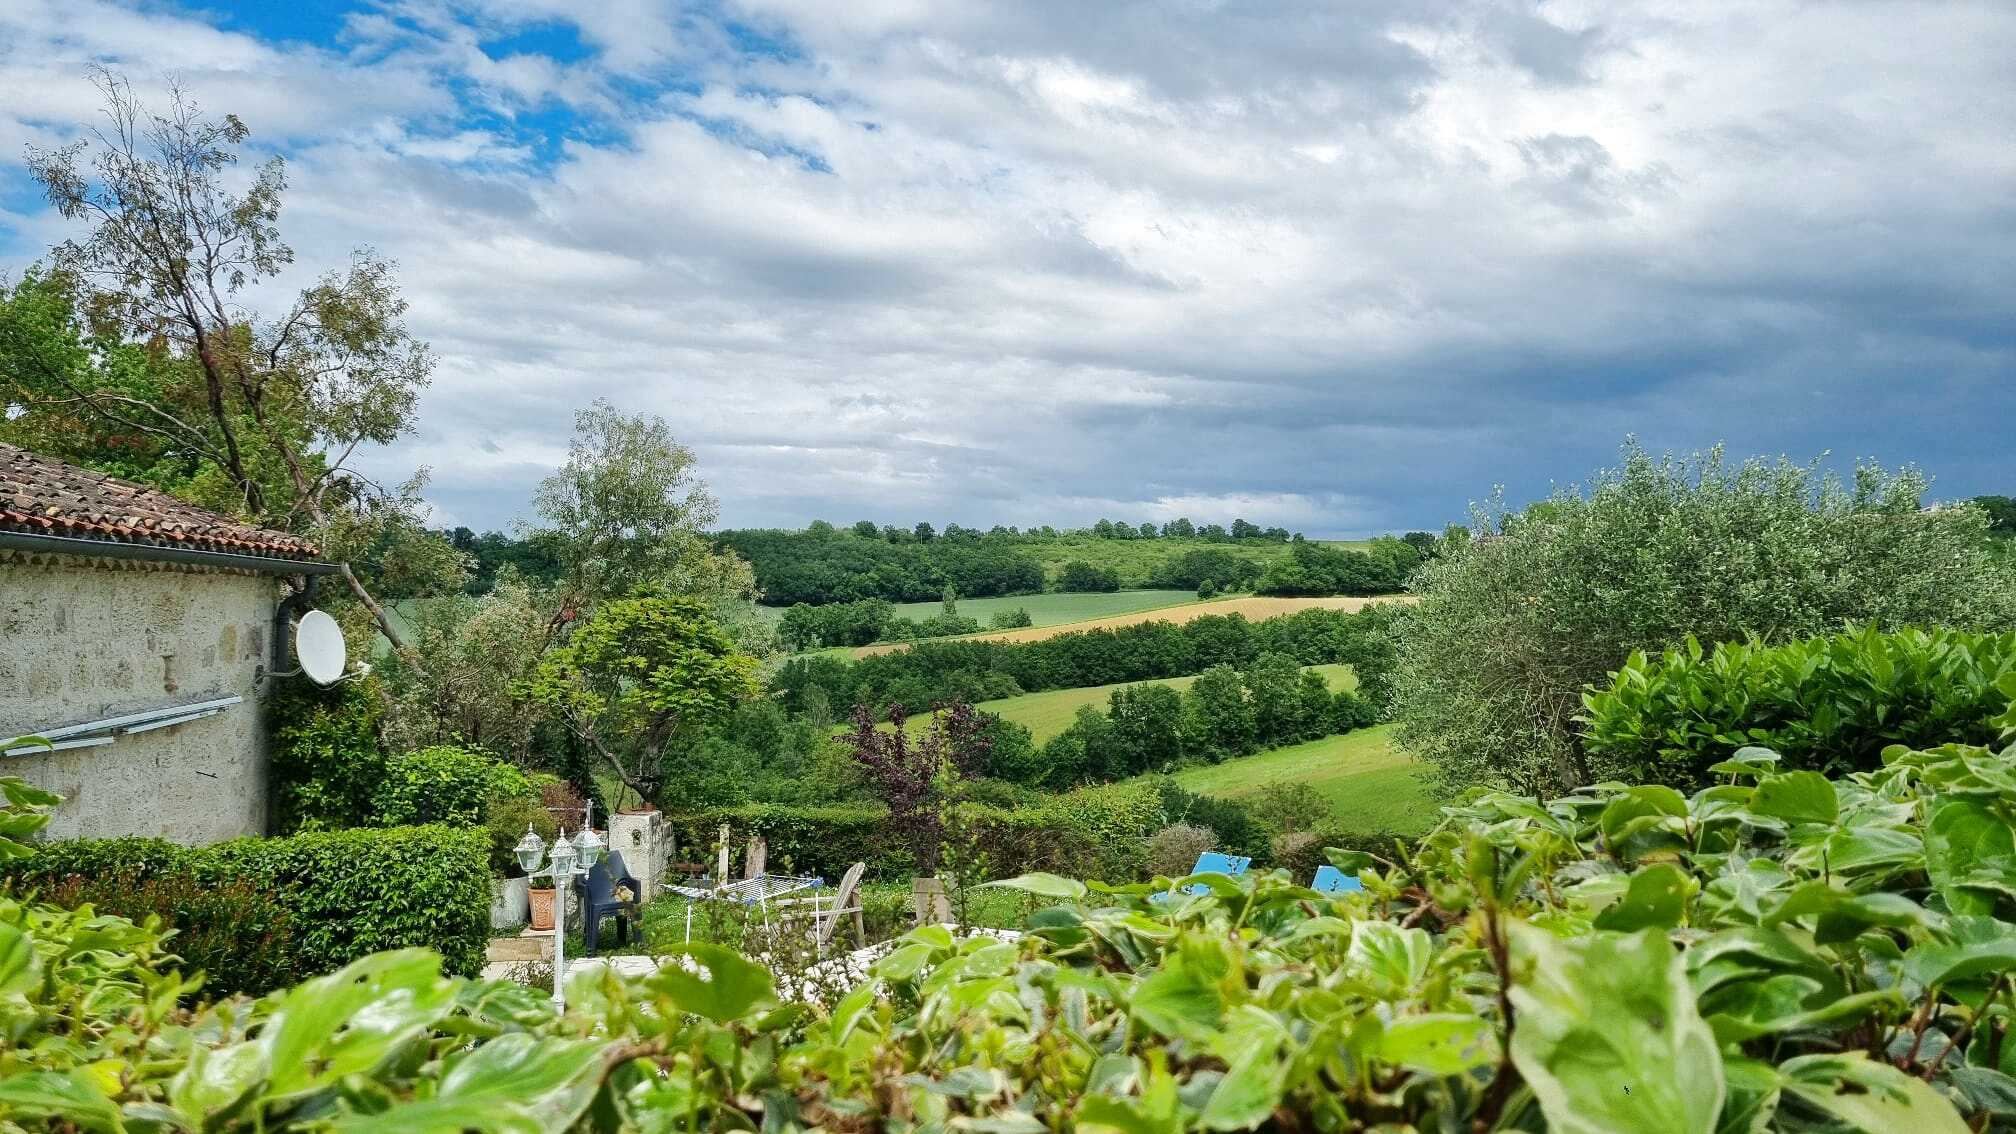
[82,640]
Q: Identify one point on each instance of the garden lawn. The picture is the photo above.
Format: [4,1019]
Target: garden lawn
[1371,784]
[1053,609]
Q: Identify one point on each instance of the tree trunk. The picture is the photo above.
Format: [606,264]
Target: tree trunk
[385,625]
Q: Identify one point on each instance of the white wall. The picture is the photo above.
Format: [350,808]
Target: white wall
[83,640]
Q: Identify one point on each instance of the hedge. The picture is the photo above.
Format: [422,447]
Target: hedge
[1829,704]
[344,894]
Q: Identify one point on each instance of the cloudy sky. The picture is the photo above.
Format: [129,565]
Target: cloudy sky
[1334,265]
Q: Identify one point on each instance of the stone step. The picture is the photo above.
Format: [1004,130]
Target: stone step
[526,947]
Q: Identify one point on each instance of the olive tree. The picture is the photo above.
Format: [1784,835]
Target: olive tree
[1513,623]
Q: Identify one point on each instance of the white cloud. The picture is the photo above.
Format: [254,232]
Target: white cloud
[1031,262]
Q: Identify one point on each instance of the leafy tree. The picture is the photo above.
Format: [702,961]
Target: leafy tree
[1242,529]
[1078,575]
[866,529]
[640,674]
[1513,625]
[1220,718]
[914,778]
[1103,529]
[924,533]
[1212,533]
[1147,727]
[1011,619]
[1147,531]
[478,651]
[258,414]
[1179,528]
[626,511]
[2001,512]
[1423,543]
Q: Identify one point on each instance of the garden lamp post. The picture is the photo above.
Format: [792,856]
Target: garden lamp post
[570,859]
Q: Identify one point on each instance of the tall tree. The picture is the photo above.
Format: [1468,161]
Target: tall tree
[626,511]
[275,404]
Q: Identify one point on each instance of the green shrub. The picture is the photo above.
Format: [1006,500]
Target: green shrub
[1513,625]
[1831,704]
[1173,850]
[1297,852]
[506,819]
[361,891]
[443,784]
[327,760]
[239,936]
[1787,954]
[1289,806]
[343,894]
[1011,619]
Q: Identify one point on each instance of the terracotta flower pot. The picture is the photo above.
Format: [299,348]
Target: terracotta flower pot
[542,908]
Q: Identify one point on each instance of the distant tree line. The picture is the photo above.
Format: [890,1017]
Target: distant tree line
[1316,569]
[822,565]
[932,672]
[1183,528]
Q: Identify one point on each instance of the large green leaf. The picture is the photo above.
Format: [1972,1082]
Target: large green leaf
[1176,1000]
[1970,852]
[1389,959]
[514,1084]
[1656,898]
[1255,1072]
[1796,797]
[1439,1043]
[67,1095]
[1870,1097]
[1608,1037]
[1044,886]
[353,1020]
[1979,946]
[730,987]
[20,968]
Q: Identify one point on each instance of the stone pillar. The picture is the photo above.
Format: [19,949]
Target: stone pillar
[645,842]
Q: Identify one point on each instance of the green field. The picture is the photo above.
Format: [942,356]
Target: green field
[1048,713]
[1054,609]
[1136,559]
[1372,785]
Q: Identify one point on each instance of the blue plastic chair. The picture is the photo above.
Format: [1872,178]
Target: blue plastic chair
[1330,880]
[598,901]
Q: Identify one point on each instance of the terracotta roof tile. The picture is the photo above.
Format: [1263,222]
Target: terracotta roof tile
[44,496]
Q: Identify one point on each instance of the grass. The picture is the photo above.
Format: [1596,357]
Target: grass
[1050,712]
[1254,607]
[1054,609]
[1372,785]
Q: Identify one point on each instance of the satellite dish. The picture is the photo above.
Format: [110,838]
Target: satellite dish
[318,645]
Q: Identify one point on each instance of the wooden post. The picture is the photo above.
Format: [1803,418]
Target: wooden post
[758,857]
[721,859]
[928,900]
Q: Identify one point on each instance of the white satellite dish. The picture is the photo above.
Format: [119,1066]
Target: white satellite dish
[318,646]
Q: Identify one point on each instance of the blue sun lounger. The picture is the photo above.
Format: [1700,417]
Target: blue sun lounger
[1330,880]
[1211,862]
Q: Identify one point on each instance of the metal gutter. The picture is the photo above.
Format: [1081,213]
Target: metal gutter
[157,553]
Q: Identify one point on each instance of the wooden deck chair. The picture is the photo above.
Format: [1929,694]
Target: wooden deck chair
[1330,880]
[825,912]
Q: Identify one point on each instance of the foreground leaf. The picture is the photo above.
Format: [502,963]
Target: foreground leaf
[1608,1037]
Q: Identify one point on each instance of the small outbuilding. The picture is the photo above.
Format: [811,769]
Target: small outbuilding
[136,634]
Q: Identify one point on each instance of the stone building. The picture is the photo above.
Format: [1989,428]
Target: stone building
[135,631]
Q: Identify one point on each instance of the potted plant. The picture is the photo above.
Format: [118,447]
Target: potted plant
[512,899]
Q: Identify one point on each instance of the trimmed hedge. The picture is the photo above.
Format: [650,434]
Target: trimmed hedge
[343,894]
[1829,704]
